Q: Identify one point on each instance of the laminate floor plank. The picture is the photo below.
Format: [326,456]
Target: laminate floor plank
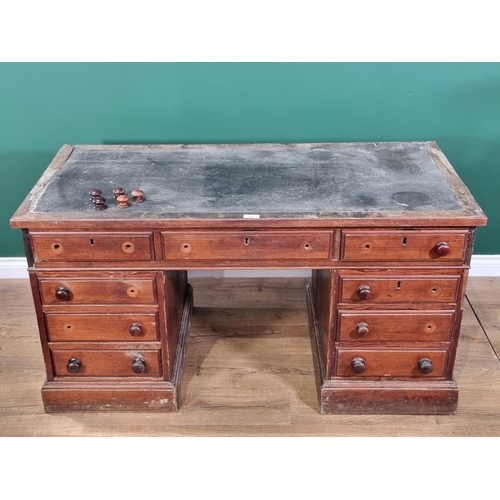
[249,371]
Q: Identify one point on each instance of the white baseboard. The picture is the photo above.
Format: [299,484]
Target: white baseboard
[481,265]
[485,265]
[13,267]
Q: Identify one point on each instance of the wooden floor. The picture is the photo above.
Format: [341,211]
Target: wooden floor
[249,371]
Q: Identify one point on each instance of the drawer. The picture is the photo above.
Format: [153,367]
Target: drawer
[434,289]
[396,363]
[247,245]
[424,326]
[97,291]
[101,327]
[95,246]
[404,245]
[82,363]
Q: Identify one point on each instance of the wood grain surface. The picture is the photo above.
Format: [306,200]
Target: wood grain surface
[249,371]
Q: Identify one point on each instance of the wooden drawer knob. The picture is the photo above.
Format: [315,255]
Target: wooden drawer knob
[94,193]
[63,294]
[135,329]
[358,365]
[123,201]
[362,329]
[364,292]
[117,191]
[138,365]
[74,365]
[138,195]
[425,366]
[442,248]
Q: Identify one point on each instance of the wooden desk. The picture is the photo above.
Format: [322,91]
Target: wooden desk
[387,230]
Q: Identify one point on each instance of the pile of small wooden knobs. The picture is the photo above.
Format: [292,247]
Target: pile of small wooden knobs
[119,195]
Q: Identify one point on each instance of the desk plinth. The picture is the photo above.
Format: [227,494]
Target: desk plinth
[386,229]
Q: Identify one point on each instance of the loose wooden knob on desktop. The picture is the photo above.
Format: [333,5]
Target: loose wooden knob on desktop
[63,293]
[135,329]
[358,365]
[362,329]
[74,365]
[99,203]
[364,292]
[94,193]
[442,248]
[117,191]
[123,201]
[138,365]
[138,195]
[425,366]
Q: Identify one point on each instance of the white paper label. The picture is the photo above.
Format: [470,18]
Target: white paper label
[251,216]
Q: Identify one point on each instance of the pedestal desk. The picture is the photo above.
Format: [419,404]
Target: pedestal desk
[386,228]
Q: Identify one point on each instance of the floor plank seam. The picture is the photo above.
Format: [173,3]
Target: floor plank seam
[482,328]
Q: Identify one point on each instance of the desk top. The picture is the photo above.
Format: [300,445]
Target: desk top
[314,183]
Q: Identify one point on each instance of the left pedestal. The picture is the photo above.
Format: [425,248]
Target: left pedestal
[112,340]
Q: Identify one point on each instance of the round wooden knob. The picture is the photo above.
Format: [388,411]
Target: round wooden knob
[138,195]
[99,203]
[123,201]
[362,329]
[118,191]
[364,292]
[74,365]
[425,366]
[94,193]
[63,293]
[135,329]
[138,365]
[358,365]
[442,248]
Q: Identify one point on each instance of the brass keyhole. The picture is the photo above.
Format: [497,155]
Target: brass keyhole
[247,241]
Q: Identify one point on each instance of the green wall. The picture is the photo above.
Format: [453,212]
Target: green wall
[45,105]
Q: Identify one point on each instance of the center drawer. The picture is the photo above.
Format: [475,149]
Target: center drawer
[247,245]
[106,363]
[65,291]
[137,327]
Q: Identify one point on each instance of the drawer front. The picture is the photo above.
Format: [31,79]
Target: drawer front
[101,327]
[82,363]
[399,289]
[397,363]
[247,245]
[88,247]
[395,325]
[404,246]
[97,291]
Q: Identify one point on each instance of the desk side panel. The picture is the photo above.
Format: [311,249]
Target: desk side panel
[324,298]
